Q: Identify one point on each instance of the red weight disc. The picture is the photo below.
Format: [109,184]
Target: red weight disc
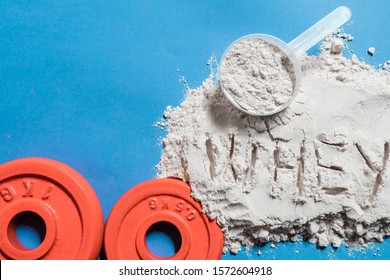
[161,200]
[57,195]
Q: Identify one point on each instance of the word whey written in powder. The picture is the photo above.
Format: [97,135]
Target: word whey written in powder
[318,170]
[257,75]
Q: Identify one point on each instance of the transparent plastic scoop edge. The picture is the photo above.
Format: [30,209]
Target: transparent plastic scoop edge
[320,30]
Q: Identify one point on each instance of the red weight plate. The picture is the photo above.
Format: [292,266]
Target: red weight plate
[61,198]
[161,200]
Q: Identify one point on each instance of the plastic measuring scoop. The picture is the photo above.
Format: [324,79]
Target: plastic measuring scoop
[293,51]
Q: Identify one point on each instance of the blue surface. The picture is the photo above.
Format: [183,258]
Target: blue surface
[82,82]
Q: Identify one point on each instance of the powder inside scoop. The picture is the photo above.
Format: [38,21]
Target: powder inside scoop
[257,75]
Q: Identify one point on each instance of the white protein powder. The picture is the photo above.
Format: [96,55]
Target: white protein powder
[318,170]
[257,75]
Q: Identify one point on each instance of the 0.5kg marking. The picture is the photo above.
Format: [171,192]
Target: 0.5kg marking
[167,203]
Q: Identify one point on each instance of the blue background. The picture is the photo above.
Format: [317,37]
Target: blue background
[83,82]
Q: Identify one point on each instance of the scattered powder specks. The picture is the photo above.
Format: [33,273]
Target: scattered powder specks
[336,46]
[385,66]
[345,36]
[318,170]
[371,51]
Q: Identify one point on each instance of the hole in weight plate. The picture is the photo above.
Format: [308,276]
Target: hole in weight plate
[26,231]
[163,239]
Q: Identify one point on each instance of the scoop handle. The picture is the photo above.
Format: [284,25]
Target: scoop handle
[320,30]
